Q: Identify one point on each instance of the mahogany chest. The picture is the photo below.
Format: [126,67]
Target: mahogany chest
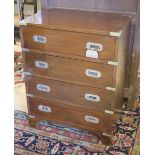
[74,66]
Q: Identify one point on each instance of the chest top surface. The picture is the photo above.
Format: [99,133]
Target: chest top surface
[78,21]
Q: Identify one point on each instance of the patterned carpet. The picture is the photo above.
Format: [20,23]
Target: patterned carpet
[50,138]
[18,67]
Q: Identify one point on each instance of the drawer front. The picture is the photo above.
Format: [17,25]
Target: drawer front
[70,70]
[70,43]
[81,117]
[65,92]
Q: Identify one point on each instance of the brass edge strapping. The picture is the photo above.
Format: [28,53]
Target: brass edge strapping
[110,88]
[109,112]
[116,34]
[113,63]
[29,95]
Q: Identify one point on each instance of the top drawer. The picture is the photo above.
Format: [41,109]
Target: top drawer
[72,43]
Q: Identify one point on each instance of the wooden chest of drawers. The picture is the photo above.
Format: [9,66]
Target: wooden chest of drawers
[74,68]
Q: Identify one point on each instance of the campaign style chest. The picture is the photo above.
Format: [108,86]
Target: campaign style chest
[74,65]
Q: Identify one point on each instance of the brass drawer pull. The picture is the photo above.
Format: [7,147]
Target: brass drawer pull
[92,97]
[42,87]
[91,119]
[44,108]
[39,39]
[93,73]
[94,46]
[41,64]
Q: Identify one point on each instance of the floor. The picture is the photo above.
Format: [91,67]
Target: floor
[20,97]
[19,89]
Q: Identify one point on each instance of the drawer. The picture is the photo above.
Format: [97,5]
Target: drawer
[91,97]
[69,43]
[72,115]
[70,70]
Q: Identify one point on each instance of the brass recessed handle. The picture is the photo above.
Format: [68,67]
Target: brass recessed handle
[91,119]
[93,73]
[42,87]
[39,39]
[92,97]
[44,108]
[94,46]
[41,64]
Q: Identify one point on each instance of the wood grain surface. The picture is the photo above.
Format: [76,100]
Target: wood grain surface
[79,21]
[72,115]
[71,93]
[70,70]
[70,43]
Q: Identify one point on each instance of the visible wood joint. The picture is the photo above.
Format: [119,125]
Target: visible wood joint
[126,92]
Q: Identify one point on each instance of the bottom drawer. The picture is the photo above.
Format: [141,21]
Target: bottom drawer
[71,115]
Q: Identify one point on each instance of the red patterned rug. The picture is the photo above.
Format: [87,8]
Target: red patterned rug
[18,67]
[50,138]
